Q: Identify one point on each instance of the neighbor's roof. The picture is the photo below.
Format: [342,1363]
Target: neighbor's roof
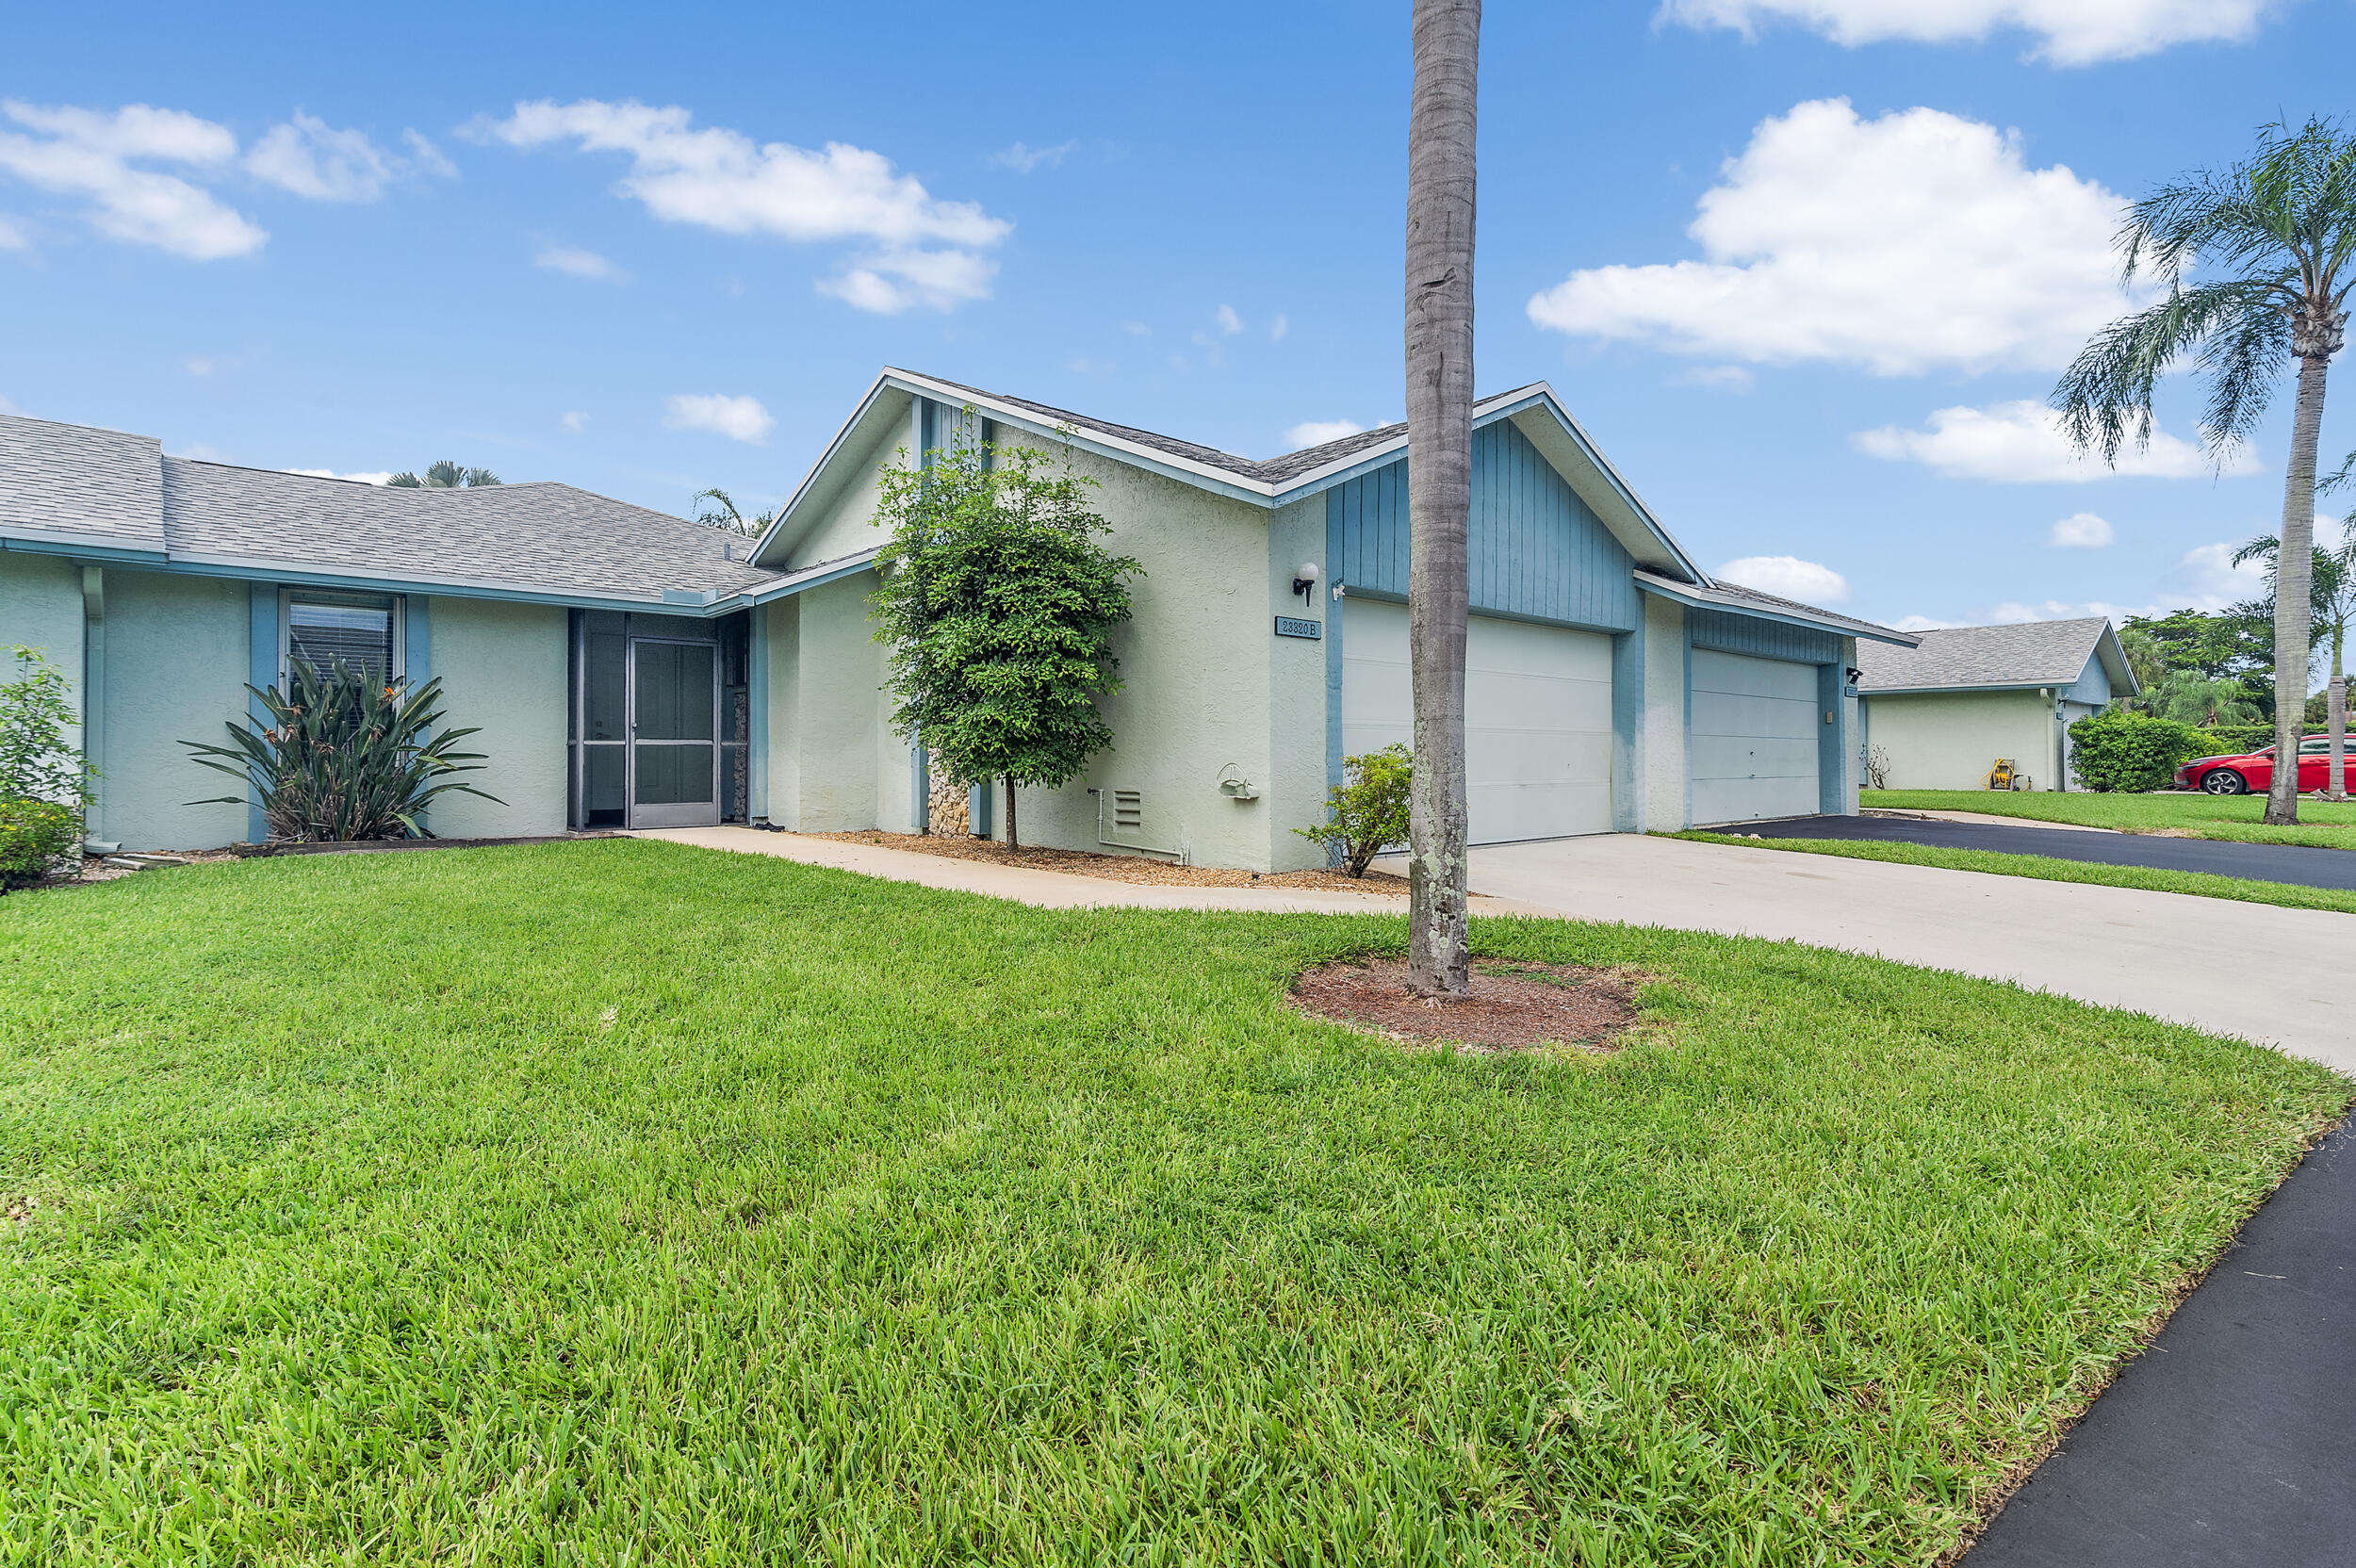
[2034,653]
[72,489]
[1750,601]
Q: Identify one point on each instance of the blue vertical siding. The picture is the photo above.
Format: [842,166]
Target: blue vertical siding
[2094,686]
[1711,629]
[1536,549]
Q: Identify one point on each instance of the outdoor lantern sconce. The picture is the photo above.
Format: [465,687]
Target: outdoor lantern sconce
[1305,580]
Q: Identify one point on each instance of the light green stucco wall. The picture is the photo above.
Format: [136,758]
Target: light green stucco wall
[1293,789]
[177,657]
[504,672]
[846,526]
[834,763]
[41,607]
[1663,726]
[1949,739]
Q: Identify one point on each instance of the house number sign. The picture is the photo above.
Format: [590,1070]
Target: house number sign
[1293,625]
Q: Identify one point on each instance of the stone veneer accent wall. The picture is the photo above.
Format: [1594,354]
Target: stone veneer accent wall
[948,819]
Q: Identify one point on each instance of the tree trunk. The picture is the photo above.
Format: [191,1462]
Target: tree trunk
[2336,720]
[2293,571]
[1440,209]
[1014,840]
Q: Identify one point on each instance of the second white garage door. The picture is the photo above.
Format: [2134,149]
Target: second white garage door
[1537,718]
[1754,738]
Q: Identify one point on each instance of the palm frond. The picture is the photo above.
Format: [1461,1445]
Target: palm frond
[2105,395]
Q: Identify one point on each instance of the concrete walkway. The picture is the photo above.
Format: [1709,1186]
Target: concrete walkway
[2196,961]
[1051,889]
[2254,971]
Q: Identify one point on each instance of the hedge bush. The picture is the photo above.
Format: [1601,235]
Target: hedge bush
[34,836]
[2129,753]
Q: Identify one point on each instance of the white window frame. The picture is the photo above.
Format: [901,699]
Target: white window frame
[287,597]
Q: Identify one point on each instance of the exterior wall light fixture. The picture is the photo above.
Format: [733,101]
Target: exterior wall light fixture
[1305,580]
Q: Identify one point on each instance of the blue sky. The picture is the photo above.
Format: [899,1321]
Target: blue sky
[1804,268]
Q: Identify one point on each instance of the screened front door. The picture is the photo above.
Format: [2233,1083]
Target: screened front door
[674,733]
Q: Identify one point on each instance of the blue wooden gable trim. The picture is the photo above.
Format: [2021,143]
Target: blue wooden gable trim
[1713,628]
[1537,550]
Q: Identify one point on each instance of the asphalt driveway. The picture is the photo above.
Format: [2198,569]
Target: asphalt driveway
[2233,1438]
[2294,863]
[2254,971]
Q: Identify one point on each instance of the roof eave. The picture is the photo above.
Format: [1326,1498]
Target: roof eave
[1705,598]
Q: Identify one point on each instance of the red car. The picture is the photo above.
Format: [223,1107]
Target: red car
[2254,772]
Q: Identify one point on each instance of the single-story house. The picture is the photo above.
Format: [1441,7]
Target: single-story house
[632,669]
[1944,711]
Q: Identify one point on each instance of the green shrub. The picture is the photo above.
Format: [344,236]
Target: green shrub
[35,837]
[1368,808]
[2129,754]
[2226,739]
[344,756]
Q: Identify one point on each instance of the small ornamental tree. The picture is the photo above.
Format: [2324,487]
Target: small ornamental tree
[999,606]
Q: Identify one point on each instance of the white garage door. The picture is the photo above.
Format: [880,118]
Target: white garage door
[1537,718]
[1754,738]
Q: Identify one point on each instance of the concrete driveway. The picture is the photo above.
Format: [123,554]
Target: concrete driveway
[2254,971]
[2294,863]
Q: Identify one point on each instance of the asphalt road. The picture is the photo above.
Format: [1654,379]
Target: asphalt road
[2309,868]
[2233,1438]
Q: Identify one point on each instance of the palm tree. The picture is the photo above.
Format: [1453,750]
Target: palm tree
[2331,601]
[2274,237]
[444,475]
[724,513]
[1440,190]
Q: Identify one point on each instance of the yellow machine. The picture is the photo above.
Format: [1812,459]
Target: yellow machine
[2002,777]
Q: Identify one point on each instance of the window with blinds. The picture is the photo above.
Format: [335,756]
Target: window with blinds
[359,629]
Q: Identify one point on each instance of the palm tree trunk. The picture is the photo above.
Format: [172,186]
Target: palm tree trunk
[1440,207]
[2295,564]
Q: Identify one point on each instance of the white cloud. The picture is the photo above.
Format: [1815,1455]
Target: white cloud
[8,407]
[12,237]
[427,158]
[1278,328]
[2068,32]
[2081,530]
[577,263]
[1317,433]
[1137,328]
[1789,576]
[924,248]
[1080,365]
[312,158]
[1229,322]
[1023,159]
[1921,623]
[81,153]
[2021,443]
[376,476]
[2203,579]
[202,365]
[1911,242]
[890,281]
[573,422]
[738,419]
[1718,378]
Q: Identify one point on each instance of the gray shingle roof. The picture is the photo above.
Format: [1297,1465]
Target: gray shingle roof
[2035,653]
[100,485]
[102,488]
[1734,597]
[540,536]
[1274,470]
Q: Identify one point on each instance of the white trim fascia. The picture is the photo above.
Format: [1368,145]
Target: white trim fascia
[1969,686]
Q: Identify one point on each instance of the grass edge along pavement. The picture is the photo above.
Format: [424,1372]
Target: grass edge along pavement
[2048,868]
[621,1199]
[2322,824]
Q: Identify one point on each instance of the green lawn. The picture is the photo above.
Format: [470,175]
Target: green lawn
[2047,868]
[2321,823]
[621,1202]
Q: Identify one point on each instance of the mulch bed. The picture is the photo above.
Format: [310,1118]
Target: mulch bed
[1514,1006]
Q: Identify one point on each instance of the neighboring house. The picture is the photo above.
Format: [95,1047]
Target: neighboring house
[1945,711]
[630,669]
